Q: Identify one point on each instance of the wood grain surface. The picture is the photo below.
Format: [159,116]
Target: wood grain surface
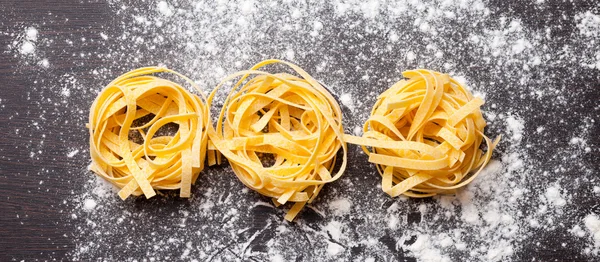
[34,219]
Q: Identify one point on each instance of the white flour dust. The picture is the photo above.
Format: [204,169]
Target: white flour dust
[592,224]
[357,49]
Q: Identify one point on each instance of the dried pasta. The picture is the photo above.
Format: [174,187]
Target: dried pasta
[280,133]
[424,135]
[154,161]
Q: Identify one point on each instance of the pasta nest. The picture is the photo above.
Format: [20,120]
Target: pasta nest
[128,142]
[281,134]
[424,135]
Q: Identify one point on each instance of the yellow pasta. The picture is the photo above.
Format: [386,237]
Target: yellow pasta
[280,134]
[425,134]
[140,105]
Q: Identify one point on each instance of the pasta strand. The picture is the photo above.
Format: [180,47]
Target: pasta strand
[424,135]
[153,161]
[291,121]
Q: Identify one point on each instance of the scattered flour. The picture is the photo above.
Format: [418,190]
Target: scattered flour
[520,45]
[350,45]
[554,196]
[277,258]
[334,229]
[347,100]
[31,34]
[394,36]
[577,231]
[410,56]
[290,54]
[340,206]
[515,127]
[44,63]
[27,48]
[425,251]
[589,24]
[592,223]
[164,8]
[89,204]
[334,249]
[72,153]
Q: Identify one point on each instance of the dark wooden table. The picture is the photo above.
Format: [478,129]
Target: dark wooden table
[43,141]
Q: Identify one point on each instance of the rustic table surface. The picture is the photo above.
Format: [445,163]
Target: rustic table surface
[537,64]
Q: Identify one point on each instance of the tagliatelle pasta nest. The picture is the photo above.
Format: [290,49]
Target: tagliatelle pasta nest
[424,135]
[280,134]
[138,104]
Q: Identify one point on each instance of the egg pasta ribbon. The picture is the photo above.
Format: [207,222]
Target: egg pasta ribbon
[138,105]
[280,133]
[424,136]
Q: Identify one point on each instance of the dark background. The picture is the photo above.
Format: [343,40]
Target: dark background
[34,223]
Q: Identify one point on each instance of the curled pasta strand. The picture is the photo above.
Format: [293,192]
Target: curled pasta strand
[153,161]
[424,135]
[291,121]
